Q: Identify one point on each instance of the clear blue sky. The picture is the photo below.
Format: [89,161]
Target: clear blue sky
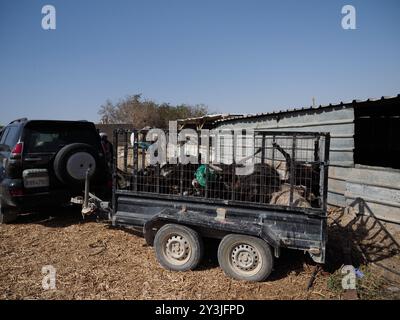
[234,56]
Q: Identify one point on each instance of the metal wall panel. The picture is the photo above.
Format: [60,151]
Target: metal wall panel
[378,187]
[338,121]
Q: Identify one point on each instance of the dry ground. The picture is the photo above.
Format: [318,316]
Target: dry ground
[95,261]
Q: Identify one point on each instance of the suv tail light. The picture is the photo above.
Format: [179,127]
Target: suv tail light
[16,192]
[16,152]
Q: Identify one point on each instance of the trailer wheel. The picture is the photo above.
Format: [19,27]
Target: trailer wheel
[245,258]
[178,248]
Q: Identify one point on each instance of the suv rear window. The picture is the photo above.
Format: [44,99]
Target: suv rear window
[10,136]
[48,138]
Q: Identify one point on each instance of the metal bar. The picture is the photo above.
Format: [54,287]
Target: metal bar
[158,178]
[316,149]
[292,171]
[143,156]
[263,173]
[291,133]
[87,183]
[199,155]
[114,171]
[298,148]
[325,167]
[182,151]
[126,151]
[273,151]
[233,176]
[317,158]
[311,124]
[136,159]
[207,164]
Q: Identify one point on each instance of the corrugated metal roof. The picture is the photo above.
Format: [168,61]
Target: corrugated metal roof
[353,102]
[205,121]
[209,117]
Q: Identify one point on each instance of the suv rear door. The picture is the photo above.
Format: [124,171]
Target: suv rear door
[8,140]
[43,139]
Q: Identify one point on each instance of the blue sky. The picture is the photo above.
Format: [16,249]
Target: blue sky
[234,56]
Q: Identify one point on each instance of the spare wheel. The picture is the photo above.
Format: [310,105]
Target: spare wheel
[73,161]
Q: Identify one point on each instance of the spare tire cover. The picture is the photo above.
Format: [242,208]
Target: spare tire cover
[73,161]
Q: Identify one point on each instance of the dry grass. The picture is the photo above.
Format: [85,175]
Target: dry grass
[95,261]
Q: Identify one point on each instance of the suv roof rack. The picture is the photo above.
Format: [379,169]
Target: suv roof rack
[19,120]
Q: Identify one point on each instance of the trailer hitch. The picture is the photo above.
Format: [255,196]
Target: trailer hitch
[90,203]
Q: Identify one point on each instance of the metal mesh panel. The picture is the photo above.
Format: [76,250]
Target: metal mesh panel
[278,169]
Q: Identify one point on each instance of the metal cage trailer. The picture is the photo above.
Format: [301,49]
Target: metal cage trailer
[256,192]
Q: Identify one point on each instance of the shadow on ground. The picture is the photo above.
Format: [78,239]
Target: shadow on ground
[358,238]
[54,217]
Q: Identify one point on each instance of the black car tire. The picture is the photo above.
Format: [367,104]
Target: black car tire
[7,215]
[72,162]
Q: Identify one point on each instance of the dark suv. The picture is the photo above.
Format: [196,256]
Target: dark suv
[44,162]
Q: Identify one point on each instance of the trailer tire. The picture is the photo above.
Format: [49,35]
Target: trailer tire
[244,257]
[178,248]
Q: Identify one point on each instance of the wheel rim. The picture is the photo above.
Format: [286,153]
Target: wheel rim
[177,249]
[79,163]
[246,259]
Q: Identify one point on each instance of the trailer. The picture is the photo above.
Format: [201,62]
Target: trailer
[256,192]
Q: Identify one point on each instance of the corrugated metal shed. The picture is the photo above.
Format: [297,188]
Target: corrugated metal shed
[352,103]
[348,180]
